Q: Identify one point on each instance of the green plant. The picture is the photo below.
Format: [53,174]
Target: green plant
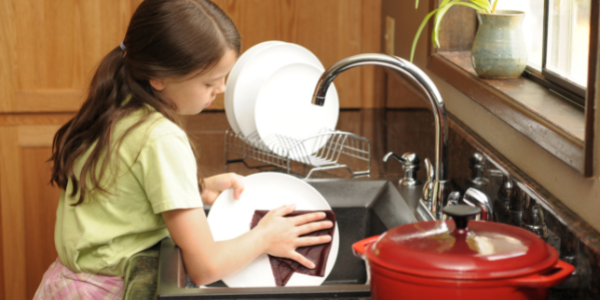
[483,6]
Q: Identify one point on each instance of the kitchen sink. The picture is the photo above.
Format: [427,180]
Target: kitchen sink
[363,208]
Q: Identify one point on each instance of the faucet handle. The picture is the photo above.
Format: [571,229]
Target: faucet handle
[391,154]
[410,165]
[406,158]
[476,198]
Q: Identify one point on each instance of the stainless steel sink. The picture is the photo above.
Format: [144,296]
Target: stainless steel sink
[363,208]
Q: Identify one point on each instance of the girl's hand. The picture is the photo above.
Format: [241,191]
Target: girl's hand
[213,186]
[282,235]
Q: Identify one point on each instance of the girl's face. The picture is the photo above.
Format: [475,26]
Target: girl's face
[193,94]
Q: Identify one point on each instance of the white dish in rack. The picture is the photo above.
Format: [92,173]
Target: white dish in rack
[284,113]
[233,76]
[254,74]
[229,218]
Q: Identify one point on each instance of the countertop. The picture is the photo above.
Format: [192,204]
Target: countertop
[403,131]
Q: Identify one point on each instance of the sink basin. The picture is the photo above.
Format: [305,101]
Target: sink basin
[363,208]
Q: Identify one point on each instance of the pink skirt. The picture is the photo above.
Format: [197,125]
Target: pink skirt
[60,282]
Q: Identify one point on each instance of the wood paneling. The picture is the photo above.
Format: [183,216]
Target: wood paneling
[48,100]
[331,29]
[401,93]
[6,54]
[13,224]
[372,81]
[34,119]
[41,201]
[36,136]
[452,39]
[408,20]
[50,49]
[60,43]
[28,207]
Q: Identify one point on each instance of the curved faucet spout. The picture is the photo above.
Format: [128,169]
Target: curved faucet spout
[410,71]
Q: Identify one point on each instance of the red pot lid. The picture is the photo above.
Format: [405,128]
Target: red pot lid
[482,250]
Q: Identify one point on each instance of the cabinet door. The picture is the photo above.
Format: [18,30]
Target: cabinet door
[331,29]
[49,49]
[28,207]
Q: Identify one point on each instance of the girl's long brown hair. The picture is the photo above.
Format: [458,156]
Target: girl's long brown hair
[165,38]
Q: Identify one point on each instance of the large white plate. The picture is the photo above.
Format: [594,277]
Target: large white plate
[229,218]
[284,109]
[232,79]
[256,71]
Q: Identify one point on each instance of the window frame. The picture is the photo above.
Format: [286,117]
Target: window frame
[499,98]
[555,81]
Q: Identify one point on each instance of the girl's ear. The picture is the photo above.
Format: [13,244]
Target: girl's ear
[157,84]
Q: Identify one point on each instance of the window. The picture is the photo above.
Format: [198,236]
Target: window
[559,54]
[560,35]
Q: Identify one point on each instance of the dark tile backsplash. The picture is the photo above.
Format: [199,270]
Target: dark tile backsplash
[574,239]
[404,130]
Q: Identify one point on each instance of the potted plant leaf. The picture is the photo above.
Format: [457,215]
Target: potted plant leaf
[499,46]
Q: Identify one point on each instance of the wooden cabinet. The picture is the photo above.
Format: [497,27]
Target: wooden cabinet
[48,52]
[331,29]
[28,203]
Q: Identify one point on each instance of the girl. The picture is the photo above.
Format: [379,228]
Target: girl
[127,170]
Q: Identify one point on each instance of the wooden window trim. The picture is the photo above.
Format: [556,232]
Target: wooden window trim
[543,116]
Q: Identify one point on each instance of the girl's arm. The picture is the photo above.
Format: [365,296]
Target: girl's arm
[207,261]
[214,185]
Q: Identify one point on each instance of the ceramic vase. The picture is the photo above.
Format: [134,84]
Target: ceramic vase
[499,47]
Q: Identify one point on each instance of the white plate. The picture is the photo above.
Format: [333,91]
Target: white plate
[229,218]
[256,71]
[284,109]
[232,78]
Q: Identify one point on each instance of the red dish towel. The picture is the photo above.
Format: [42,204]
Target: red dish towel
[283,268]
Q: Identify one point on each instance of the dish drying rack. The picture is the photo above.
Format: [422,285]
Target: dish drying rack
[340,150]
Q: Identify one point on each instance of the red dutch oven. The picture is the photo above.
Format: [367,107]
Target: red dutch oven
[448,258]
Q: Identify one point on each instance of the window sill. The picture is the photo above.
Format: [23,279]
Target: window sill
[536,112]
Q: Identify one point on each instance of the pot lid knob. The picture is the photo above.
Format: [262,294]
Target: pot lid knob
[461,213]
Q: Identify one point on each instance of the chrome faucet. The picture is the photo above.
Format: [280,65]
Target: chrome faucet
[432,94]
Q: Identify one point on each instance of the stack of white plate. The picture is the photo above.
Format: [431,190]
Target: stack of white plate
[269,93]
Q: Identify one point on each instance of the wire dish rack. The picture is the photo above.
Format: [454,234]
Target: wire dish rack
[317,155]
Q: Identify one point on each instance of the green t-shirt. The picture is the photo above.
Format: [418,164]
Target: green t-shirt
[154,171]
